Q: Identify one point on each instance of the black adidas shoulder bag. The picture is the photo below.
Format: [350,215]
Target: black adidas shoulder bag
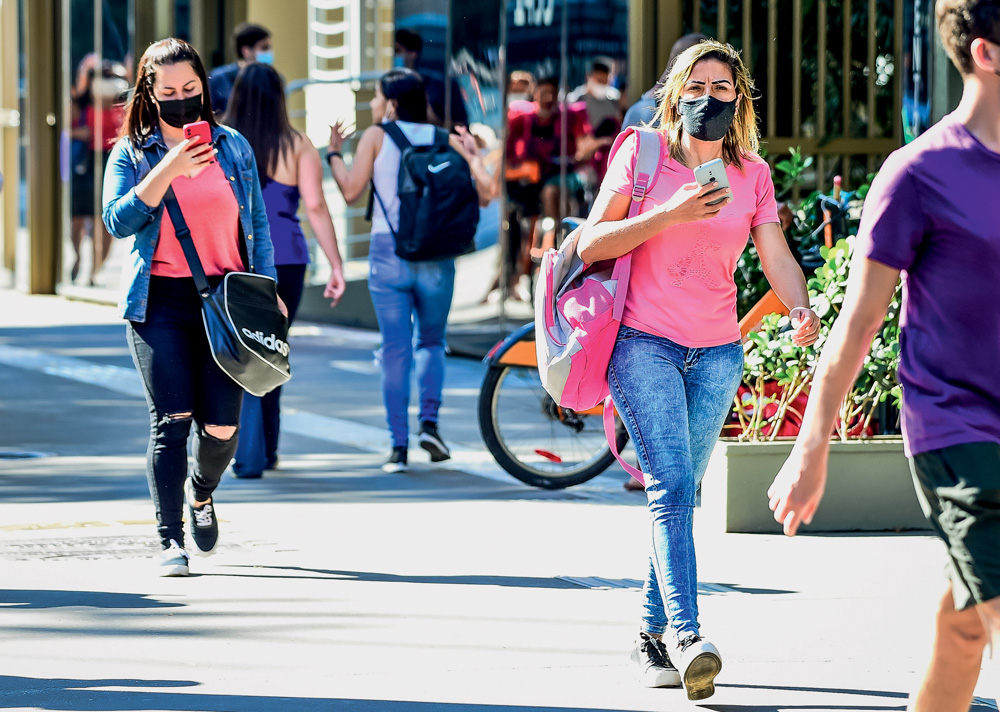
[247,332]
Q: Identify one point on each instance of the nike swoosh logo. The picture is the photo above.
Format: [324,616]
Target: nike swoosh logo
[439,167]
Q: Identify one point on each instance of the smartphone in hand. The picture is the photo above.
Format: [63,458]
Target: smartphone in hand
[200,132]
[714,170]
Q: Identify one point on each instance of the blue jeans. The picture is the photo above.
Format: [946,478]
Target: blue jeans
[673,401]
[405,293]
[260,420]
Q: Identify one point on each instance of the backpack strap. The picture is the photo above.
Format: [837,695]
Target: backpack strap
[612,438]
[396,134]
[645,171]
[402,143]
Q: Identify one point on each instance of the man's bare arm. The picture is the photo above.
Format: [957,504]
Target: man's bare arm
[798,487]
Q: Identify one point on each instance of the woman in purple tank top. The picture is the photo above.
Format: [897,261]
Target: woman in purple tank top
[291,173]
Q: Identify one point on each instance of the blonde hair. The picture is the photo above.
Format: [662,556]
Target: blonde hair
[743,137]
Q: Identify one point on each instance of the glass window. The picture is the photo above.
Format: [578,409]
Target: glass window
[102,66]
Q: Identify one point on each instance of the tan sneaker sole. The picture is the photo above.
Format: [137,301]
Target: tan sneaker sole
[699,678]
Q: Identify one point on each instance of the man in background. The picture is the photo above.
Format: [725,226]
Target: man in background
[252,44]
[600,99]
[408,48]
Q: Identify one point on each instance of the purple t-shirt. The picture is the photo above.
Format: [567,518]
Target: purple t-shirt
[933,213]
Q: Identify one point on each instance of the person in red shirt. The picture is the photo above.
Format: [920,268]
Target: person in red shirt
[94,95]
[535,158]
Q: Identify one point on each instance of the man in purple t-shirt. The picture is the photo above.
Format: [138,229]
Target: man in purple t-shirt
[932,214]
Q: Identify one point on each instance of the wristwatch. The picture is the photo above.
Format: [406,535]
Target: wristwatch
[331,154]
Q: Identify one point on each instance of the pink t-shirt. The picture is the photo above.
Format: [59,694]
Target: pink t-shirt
[211,213]
[681,286]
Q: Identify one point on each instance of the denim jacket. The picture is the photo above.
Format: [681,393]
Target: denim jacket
[126,215]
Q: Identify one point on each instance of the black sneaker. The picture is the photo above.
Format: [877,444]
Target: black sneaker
[655,668]
[432,442]
[396,462]
[202,524]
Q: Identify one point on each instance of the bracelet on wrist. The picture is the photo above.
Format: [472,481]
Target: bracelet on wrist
[331,154]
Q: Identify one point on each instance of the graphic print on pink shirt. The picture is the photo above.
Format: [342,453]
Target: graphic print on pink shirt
[681,286]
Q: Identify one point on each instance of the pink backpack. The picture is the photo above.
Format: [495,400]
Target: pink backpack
[578,307]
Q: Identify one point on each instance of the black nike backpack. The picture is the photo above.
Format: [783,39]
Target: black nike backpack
[438,202]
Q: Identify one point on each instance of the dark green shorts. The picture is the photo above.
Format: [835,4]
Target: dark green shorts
[959,491]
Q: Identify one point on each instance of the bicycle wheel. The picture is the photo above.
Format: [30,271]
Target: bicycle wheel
[532,438]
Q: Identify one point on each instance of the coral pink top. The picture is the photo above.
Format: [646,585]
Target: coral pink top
[681,286]
[211,213]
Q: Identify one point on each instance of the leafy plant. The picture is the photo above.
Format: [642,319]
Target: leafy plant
[777,374]
[805,235]
[788,172]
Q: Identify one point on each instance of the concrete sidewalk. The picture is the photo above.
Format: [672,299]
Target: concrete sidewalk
[339,587]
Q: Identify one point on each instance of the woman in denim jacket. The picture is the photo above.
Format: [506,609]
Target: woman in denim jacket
[218,191]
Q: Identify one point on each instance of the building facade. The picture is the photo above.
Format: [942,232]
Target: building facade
[847,84]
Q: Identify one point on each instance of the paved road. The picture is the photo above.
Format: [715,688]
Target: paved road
[338,587]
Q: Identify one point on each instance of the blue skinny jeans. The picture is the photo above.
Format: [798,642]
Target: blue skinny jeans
[407,295]
[673,400]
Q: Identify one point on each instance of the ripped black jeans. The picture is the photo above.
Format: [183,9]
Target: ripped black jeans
[180,378]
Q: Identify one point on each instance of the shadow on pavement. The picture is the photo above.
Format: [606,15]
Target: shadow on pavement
[299,572]
[61,694]
[56,481]
[33,598]
[351,478]
[820,705]
[82,695]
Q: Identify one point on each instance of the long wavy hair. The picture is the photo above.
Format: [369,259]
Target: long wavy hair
[743,137]
[141,117]
[257,110]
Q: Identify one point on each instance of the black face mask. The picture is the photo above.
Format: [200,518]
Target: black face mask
[706,118]
[177,112]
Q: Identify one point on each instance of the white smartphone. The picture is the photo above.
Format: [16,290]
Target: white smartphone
[713,170]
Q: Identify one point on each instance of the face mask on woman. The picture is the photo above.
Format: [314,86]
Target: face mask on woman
[706,118]
[177,112]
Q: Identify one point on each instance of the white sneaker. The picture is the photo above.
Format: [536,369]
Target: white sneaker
[655,668]
[698,662]
[174,560]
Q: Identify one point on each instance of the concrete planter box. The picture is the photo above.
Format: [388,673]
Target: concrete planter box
[869,487]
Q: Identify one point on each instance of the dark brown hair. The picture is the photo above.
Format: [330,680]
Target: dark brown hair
[962,21]
[247,34]
[406,88]
[140,113]
[256,109]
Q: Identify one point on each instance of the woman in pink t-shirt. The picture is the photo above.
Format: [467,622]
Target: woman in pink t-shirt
[678,359]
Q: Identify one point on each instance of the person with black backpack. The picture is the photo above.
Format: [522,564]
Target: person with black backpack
[428,186]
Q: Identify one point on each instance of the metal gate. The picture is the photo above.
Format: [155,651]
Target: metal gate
[829,74]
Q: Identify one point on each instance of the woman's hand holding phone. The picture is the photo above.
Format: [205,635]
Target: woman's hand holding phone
[691,202]
[188,158]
